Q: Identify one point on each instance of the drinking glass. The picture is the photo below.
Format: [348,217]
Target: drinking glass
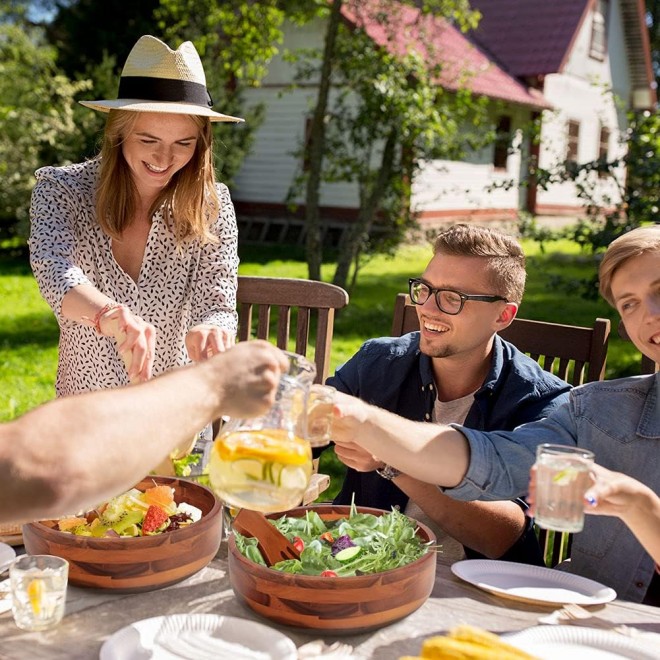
[38,589]
[320,404]
[265,463]
[562,479]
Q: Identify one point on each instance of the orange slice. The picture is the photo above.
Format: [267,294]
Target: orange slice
[162,496]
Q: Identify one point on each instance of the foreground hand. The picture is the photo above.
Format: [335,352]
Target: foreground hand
[250,374]
[354,456]
[349,414]
[205,340]
[136,341]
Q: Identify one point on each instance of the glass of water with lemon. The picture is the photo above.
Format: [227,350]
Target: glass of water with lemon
[265,463]
[38,588]
[562,479]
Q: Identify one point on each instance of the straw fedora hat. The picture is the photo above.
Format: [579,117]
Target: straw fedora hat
[156,78]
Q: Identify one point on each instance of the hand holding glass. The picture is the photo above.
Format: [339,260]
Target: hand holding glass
[38,589]
[320,404]
[562,479]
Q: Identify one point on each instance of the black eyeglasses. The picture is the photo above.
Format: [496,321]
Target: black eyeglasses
[447,300]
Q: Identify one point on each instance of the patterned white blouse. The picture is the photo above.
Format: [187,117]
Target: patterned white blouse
[177,288]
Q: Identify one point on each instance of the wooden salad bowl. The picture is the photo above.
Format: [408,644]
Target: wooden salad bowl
[336,604]
[142,563]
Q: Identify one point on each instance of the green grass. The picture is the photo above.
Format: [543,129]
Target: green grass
[29,333]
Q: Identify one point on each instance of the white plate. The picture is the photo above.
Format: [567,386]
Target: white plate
[567,642]
[7,556]
[199,637]
[531,584]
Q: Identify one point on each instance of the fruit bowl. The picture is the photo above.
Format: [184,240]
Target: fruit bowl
[142,563]
[336,604]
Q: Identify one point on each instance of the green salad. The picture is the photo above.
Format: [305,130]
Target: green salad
[361,544]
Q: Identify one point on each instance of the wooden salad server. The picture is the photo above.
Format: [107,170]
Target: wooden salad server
[273,544]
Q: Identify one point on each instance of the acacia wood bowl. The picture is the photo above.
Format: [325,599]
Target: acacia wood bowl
[143,563]
[341,604]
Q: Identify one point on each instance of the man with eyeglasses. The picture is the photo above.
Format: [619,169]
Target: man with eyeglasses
[456,369]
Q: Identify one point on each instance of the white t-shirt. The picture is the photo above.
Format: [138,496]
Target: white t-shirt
[444,412]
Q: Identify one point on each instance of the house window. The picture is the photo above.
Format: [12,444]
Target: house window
[598,46]
[502,142]
[572,141]
[604,143]
[603,148]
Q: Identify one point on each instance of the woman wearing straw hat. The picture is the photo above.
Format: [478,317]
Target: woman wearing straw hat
[135,250]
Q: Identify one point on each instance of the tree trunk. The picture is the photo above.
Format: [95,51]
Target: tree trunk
[352,240]
[314,150]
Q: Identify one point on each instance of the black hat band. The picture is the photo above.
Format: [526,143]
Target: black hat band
[164,90]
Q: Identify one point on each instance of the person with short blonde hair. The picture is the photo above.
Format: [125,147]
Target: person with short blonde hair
[502,257]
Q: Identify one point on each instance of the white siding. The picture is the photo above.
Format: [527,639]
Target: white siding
[583,93]
[269,171]
[465,185]
[578,93]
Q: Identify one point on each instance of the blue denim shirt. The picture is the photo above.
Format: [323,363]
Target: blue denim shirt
[392,373]
[619,421]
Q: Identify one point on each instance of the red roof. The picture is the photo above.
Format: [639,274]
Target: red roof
[464,64]
[529,37]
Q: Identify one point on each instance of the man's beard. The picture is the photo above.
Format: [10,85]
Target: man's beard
[432,351]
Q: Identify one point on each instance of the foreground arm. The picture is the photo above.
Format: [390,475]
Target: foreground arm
[74,452]
[490,528]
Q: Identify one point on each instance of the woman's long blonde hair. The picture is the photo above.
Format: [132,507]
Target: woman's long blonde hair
[190,202]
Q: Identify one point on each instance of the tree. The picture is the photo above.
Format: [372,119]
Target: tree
[36,117]
[236,39]
[379,114]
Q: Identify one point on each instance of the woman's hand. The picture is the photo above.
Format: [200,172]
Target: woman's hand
[136,341]
[205,340]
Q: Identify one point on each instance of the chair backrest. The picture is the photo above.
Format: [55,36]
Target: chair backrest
[648,366]
[575,353]
[257,297]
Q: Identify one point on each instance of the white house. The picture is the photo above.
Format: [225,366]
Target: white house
[579,64]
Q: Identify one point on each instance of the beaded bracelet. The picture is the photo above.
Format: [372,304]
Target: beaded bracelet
[96,321]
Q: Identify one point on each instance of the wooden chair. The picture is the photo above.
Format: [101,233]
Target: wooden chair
[574,353]
[648,366]
[257,297]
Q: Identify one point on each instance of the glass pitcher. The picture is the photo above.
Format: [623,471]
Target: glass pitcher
[265,463]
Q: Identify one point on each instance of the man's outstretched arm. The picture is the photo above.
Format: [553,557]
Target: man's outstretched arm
[74,452]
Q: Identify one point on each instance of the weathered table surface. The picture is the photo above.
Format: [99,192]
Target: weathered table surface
[93,616]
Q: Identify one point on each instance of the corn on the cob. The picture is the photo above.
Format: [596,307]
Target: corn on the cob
[469,643]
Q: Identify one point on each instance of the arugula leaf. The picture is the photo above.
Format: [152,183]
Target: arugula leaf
[388,541]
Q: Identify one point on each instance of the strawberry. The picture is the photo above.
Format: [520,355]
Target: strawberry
[153,519]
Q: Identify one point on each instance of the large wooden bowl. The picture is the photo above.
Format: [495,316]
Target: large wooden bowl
[141,563]
[342,604]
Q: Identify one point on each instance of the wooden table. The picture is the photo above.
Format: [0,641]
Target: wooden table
[92,616]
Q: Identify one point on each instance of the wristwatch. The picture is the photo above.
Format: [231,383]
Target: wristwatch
[388,472]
